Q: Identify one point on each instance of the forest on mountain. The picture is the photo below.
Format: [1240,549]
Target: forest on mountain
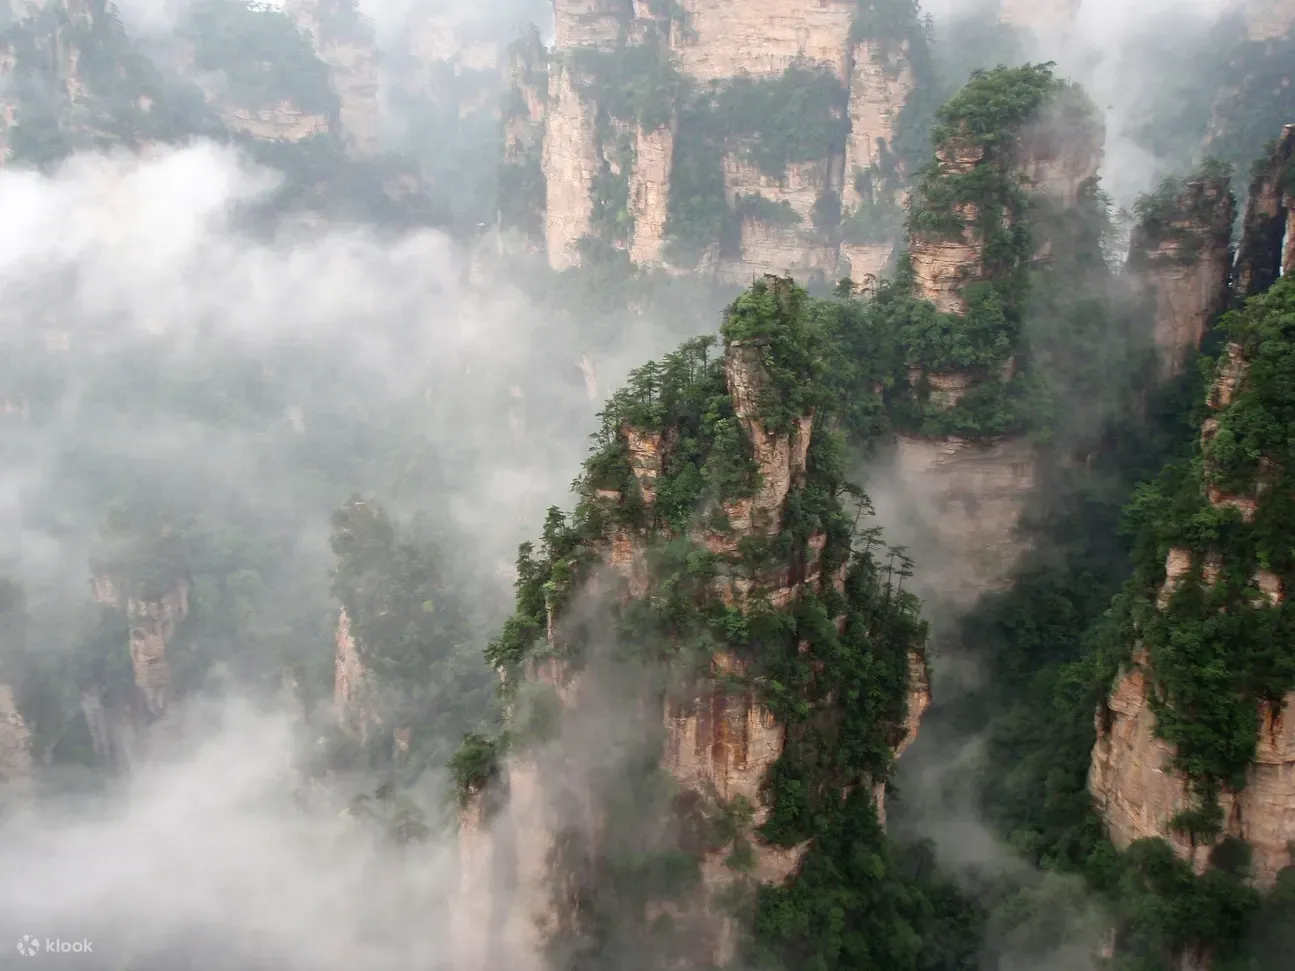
[280,398]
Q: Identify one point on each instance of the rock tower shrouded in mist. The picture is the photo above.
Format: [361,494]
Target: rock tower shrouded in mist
[1016,159]
[704,656]
[733,138]
[1194,741]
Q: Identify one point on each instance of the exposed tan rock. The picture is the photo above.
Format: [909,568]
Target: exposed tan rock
[353,71]
[1185,265]
[1138,792]
[782,250]
[880,82]
[1038,13]
[645,460]
[866,263]
[1268,19]
[15,742]
[153,624]
[348,678]
[589,23]
[570,163]
[942,265]
[970,496]
[649,190]
[472,906]
[284,122]
[724,38]
[1057,156]
[1267,243]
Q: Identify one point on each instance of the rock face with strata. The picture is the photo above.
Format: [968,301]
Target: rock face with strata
[716,39]
[1045,14]
[881,80]
[352,60]
[570,160]
[649,188]
[15,742]
[153,621]
[1183,260]
[1267,248]
[782,245]
[1133,781]
[1268,19]
[718,738]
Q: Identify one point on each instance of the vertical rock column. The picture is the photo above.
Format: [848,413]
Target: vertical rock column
[570,162]
[1181,255]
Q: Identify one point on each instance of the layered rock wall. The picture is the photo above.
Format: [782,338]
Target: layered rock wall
[1268,19]
[154,622]
[15,742]
[1267,248]
[352,60]
[881,80]
[570,161]
[1183,260]
[786,244]
[717,39]
[649,191]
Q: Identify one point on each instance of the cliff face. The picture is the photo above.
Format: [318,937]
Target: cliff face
[1180,253]
[969,494]
[1039,13]
[717,39]
[352,60]
[15,742]
[689,724]
[1267,19]
[1267,248]
[1134,783]
[881,80]
[785,243]
[570,163]
[154,622]
[649,188]
[712,43]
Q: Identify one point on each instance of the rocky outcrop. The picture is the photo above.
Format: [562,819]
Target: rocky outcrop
[589,23]
[778,236]
[881,80]
[154,622]
[1180,253]
[1038,13]
[966,500]
[943,263]
[1135,785]
[649,189]
[1267,248]
[1138,791]
[715,39]
[344,41]
[349,691]
[283,122]
[1268,19]
[570,162]
[15,742]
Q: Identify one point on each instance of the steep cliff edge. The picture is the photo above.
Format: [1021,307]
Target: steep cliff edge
[684,643]
[344,41]
[1194,742]
[154,618]
[1180,253]
[724,134]
[1267,247]
[999,200]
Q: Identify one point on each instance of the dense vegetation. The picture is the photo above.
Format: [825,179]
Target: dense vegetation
[834,642]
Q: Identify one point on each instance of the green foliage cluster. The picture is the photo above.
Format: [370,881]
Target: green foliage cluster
[263,56]
[754,207]
[636,84]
